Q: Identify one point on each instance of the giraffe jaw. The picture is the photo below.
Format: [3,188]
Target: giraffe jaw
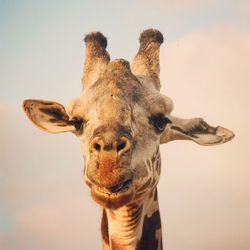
[115,196]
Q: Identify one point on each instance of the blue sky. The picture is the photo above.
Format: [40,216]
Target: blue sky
[41,44]
[204,192]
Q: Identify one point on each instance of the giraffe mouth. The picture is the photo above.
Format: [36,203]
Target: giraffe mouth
[114,190]
[115,196]
[120,187]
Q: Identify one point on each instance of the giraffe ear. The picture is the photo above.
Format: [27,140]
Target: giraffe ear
[197,130]
[50,116]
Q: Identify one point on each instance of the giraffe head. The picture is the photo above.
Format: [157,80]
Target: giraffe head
[121,118]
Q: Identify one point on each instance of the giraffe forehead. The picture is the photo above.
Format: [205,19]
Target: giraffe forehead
[107,100]
[115,96]
[122,95]
[118,89]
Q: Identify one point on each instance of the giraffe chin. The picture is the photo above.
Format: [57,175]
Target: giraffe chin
[112,200]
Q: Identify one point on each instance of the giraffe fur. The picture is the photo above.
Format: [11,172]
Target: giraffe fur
[121,118]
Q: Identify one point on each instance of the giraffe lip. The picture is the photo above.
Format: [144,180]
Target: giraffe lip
[120,187]
[115,196]
[115,190]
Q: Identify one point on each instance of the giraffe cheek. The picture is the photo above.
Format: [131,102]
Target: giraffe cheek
[141,171]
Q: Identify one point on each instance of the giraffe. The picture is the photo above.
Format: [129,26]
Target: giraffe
[121,118]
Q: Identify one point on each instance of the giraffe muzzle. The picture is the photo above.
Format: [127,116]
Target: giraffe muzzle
[109,171]
[113,195]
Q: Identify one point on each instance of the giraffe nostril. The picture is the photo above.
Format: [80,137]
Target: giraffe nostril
[97,147]
[121,146]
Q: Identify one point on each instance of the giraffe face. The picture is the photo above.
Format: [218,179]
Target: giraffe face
[122,121]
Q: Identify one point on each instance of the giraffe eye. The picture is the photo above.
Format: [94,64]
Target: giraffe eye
[159,121]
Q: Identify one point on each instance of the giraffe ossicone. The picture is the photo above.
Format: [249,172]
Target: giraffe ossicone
[121,118]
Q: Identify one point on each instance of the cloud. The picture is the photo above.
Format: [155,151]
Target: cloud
[205,204]
[183,4]
[216,59]
[244,13]
[68,224]
[44,203]
[203,191]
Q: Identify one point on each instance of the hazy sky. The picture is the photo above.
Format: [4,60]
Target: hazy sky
[204,191]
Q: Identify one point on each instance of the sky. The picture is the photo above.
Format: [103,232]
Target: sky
[204,192]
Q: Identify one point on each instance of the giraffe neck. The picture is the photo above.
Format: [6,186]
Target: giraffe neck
[133,227]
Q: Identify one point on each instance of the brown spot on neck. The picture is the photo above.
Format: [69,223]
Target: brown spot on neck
[148,240]
[104,227]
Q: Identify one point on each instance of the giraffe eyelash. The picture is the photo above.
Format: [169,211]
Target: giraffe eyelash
[159,121]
